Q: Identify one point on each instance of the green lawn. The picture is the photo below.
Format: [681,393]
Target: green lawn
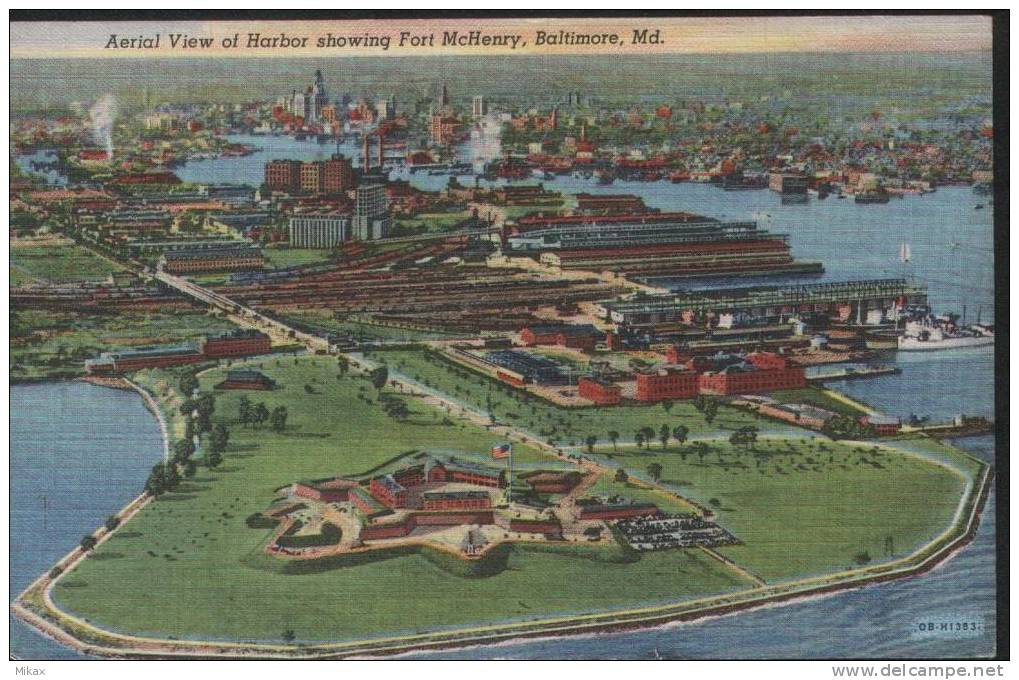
[815,396]
[60,263]
[323,319]
[809,510]
[435,222]
[188,566]
[289,257]
[547,420]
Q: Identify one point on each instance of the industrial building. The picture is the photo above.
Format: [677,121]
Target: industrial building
[371,213]
[723,375]
[523,368]
[320,230]
[211,260]
[848,301]
[242,342]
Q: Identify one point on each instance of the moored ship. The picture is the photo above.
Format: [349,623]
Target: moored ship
[937,335]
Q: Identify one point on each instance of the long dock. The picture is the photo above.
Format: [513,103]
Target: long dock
[850,373]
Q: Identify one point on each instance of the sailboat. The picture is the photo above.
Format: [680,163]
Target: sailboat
[904,252]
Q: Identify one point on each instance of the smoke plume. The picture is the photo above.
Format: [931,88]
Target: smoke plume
[102,115]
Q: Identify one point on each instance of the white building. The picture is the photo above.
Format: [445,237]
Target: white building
[319,231]
[478,109]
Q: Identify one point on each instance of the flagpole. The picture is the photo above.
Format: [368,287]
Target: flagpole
[509,489]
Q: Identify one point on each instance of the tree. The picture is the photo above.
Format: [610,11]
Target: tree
[379,377]
[183,449]
[213,459]
[613,437]
[591,441]
[654,470]
[663,435]
[190,468]
[188,384]
[710,411]
[621,476]
[260,413]
[679,433]
[278,419]
[171,476]
[343,364]
[649,435]
[219,438]
[112,522]
[205,405]
[88,543]
[749,435]
[738,439]
[667,405]
[156,483]
[289,635]
[244,410]
[639,438]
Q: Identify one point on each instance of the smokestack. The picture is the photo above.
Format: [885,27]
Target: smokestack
[381,159]
[366,161]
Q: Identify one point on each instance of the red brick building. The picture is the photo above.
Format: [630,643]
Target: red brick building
[600,392]
[283,175]
[388,491]
[762,372]
[583,337]
[884,426]
[337,175]
[671,382]
[467,473]
[241,342]
[329,491]
[548,481]
[455,500]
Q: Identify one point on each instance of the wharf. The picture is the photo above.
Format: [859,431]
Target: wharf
[851,373]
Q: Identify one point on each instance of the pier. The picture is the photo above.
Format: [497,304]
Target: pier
[852,373]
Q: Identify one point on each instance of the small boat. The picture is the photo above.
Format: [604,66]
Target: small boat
[978,206]
[904,252]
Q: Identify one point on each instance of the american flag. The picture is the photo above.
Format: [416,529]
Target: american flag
[502,451]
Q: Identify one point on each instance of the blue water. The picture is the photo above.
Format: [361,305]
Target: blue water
[78,453]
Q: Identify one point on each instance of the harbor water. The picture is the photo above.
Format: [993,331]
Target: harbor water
[79,453]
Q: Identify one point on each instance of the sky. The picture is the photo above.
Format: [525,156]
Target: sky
[689,35]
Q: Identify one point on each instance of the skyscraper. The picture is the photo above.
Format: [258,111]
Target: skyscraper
[479,109]
[371,213]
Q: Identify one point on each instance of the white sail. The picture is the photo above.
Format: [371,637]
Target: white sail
[904,252]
